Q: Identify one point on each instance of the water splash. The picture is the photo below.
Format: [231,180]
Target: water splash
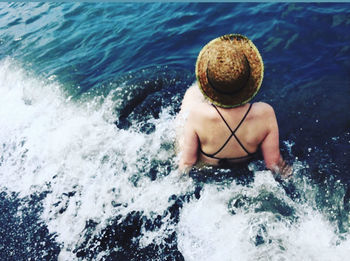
[111,192]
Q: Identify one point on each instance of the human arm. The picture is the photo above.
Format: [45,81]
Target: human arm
[270,146]
[188,141]
[189,147]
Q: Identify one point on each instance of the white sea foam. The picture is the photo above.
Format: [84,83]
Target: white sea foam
[53,144]
[74,151]
[209,230]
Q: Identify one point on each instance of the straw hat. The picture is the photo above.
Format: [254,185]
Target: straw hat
[229,70]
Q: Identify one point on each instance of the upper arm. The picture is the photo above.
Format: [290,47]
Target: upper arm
[270,145]
[189,148]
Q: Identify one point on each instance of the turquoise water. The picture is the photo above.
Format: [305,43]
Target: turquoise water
[89,94]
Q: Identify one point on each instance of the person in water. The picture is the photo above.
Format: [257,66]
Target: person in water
[221,127]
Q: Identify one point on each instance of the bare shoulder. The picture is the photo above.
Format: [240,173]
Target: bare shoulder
[191,89]
[265,115]
[200,110]
[264,109]
[192,92]
[192,98]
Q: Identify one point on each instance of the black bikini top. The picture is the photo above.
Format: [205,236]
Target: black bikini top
[228,139]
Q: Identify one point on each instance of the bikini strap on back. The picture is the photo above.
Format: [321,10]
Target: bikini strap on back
[239,124]
[233,131]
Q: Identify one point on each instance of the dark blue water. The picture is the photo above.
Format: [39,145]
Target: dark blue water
[89,94]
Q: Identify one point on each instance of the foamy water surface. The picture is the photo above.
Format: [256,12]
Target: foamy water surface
[88,118]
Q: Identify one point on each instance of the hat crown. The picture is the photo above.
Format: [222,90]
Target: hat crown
[228,69]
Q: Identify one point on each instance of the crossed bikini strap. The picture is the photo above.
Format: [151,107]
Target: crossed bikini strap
[233,131]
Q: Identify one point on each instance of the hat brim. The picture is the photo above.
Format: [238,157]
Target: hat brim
[255,79]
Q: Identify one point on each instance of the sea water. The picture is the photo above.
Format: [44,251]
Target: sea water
[89,95]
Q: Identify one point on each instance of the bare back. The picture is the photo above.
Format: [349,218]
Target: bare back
[208,127]
[218,134]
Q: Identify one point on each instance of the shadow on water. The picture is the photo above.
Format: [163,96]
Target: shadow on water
[141,95]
